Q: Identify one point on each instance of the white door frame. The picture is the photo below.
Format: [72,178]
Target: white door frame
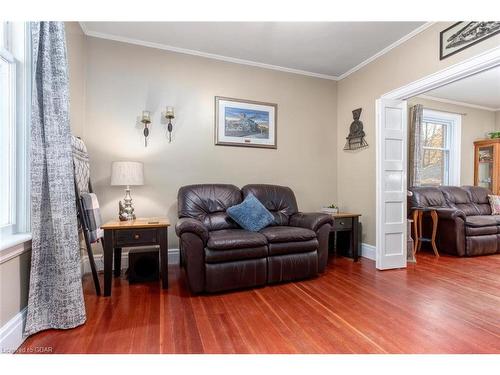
[474,65]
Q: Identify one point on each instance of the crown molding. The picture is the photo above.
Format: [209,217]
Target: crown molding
[407,37]
[455,102]
[204,54]
[254,63]
[84,28]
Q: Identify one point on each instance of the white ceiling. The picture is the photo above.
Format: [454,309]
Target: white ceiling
[324,49]
[481,90]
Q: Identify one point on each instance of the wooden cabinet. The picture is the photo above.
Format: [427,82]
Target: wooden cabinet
[487,164]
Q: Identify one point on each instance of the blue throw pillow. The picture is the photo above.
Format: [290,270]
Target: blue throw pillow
[251,214]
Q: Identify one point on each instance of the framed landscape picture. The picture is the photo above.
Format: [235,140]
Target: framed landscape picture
[246,123]
[462,35]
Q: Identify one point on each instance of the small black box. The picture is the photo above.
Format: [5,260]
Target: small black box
[143,265]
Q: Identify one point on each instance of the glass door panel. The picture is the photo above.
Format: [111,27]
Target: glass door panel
[485,167]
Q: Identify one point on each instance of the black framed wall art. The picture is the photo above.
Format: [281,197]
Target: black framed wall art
[462,35]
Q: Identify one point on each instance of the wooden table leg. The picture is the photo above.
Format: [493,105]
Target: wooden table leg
[164,257]
[420,230]
[415,230]
[355,238]
[108,261]
[118,261]
[434,216]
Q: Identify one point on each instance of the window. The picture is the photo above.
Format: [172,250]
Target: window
[15,108]
[440,164]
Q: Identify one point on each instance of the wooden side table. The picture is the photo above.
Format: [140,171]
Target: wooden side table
[347,222]
[418,214]
[132,233]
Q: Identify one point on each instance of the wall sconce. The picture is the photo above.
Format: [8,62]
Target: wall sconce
[169,114]
[146,120]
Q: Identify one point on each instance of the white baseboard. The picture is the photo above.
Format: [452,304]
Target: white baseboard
[11,334]
[173,258]
[368,251]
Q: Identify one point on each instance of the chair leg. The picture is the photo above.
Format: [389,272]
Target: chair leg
[92,264]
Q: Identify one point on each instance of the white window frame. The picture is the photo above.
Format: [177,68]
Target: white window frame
[7,60]
[453,122]
[16,49]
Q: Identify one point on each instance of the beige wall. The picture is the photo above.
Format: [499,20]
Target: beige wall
[476,124]
[14,284]
[497,120]
[76,44]
[124,79]
[410,61]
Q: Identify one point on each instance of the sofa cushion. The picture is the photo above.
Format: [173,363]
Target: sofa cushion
[426,196]
[235,239]
[229,255]
[481,231]
[208,203]
[479,197]
[282,248]
[287,234]
[279,200]
[481,221]
[251,214]
[460,199]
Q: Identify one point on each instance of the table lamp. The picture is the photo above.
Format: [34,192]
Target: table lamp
[127,173]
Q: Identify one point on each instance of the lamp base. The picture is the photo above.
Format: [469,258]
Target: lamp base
[126,210]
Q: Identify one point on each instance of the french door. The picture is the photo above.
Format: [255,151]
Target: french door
[391,187]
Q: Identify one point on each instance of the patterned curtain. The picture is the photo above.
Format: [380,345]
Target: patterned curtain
[415,149]
[55,293]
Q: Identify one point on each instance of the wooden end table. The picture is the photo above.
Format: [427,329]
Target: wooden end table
[133,233]
[347,222]
[418,214]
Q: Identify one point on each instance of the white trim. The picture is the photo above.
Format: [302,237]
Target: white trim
[11,333]
[454,135]
[14,246]
[397,43]
[84,28]
[368,251]
[206,55]
[463,104]
[173,258]
[466,68]
[10,153]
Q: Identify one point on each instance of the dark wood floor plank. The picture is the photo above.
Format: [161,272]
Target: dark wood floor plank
[439,305]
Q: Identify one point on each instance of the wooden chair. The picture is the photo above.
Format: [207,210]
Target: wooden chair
[83,185]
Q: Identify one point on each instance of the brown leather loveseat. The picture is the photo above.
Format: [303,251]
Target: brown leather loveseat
[465,226]
[218,255]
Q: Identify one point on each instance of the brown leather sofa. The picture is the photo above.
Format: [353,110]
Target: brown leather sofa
[218,255]
[465,224]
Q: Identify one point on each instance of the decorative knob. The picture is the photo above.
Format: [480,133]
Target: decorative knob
[341,223]
[136,236]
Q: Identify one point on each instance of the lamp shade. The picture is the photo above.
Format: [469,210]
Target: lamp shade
[127,173]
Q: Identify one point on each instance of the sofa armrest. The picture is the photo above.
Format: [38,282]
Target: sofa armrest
[313,220]
[189,225]
[450,213]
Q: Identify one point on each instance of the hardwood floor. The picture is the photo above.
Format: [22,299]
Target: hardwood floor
[445,305]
